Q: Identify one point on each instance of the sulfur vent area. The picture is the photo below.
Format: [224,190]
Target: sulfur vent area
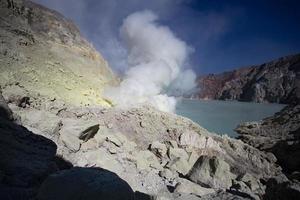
[42,53]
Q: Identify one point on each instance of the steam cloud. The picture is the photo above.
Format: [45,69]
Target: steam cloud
[156,60]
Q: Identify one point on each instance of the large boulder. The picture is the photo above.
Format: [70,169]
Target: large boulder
[179,160]
[146,160]
[85,183]
[211,172]
[187,187]
[195,140]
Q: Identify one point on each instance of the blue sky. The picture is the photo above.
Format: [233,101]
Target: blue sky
[223,34]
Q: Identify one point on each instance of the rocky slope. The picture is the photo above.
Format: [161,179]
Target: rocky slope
[277,81]
[45,54]
[280,135]
[159,155]
[210,85]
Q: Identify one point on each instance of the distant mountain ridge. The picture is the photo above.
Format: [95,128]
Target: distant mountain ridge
[274,82]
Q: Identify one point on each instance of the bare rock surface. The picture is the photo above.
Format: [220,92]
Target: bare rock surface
[277,81]
[44,53]
[28,159]
[211,172]
[155,158]
[279,134]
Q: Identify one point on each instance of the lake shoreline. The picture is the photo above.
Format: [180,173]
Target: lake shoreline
[222,117]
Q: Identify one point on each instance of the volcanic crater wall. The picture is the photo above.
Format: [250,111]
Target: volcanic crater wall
[45,54]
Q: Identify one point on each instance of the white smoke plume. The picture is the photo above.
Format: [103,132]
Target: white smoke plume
[156,60]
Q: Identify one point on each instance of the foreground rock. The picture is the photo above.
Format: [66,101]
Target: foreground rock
[26,160]
[85,183]
[211,172]
[167,157]
[277,81]
[279,188]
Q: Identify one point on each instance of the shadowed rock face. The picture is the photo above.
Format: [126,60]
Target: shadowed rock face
[26,160]
[277,82]
[44,53]
[85,183]
[279,134]
[278,189]
[25,157]
[5,111]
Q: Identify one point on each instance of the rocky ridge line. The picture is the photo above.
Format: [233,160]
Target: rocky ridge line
[277,81]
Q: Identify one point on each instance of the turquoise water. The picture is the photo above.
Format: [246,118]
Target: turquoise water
[222,117]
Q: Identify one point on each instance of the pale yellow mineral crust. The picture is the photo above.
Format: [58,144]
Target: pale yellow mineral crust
[48,56]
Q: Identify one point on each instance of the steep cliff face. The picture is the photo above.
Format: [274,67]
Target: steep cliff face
[277,81]
[211,84]
[45,54]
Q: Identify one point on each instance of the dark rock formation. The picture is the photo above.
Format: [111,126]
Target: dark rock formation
[277,81]
[85,183]
[5,111]
[26,159]
[279,134]
[281,189]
